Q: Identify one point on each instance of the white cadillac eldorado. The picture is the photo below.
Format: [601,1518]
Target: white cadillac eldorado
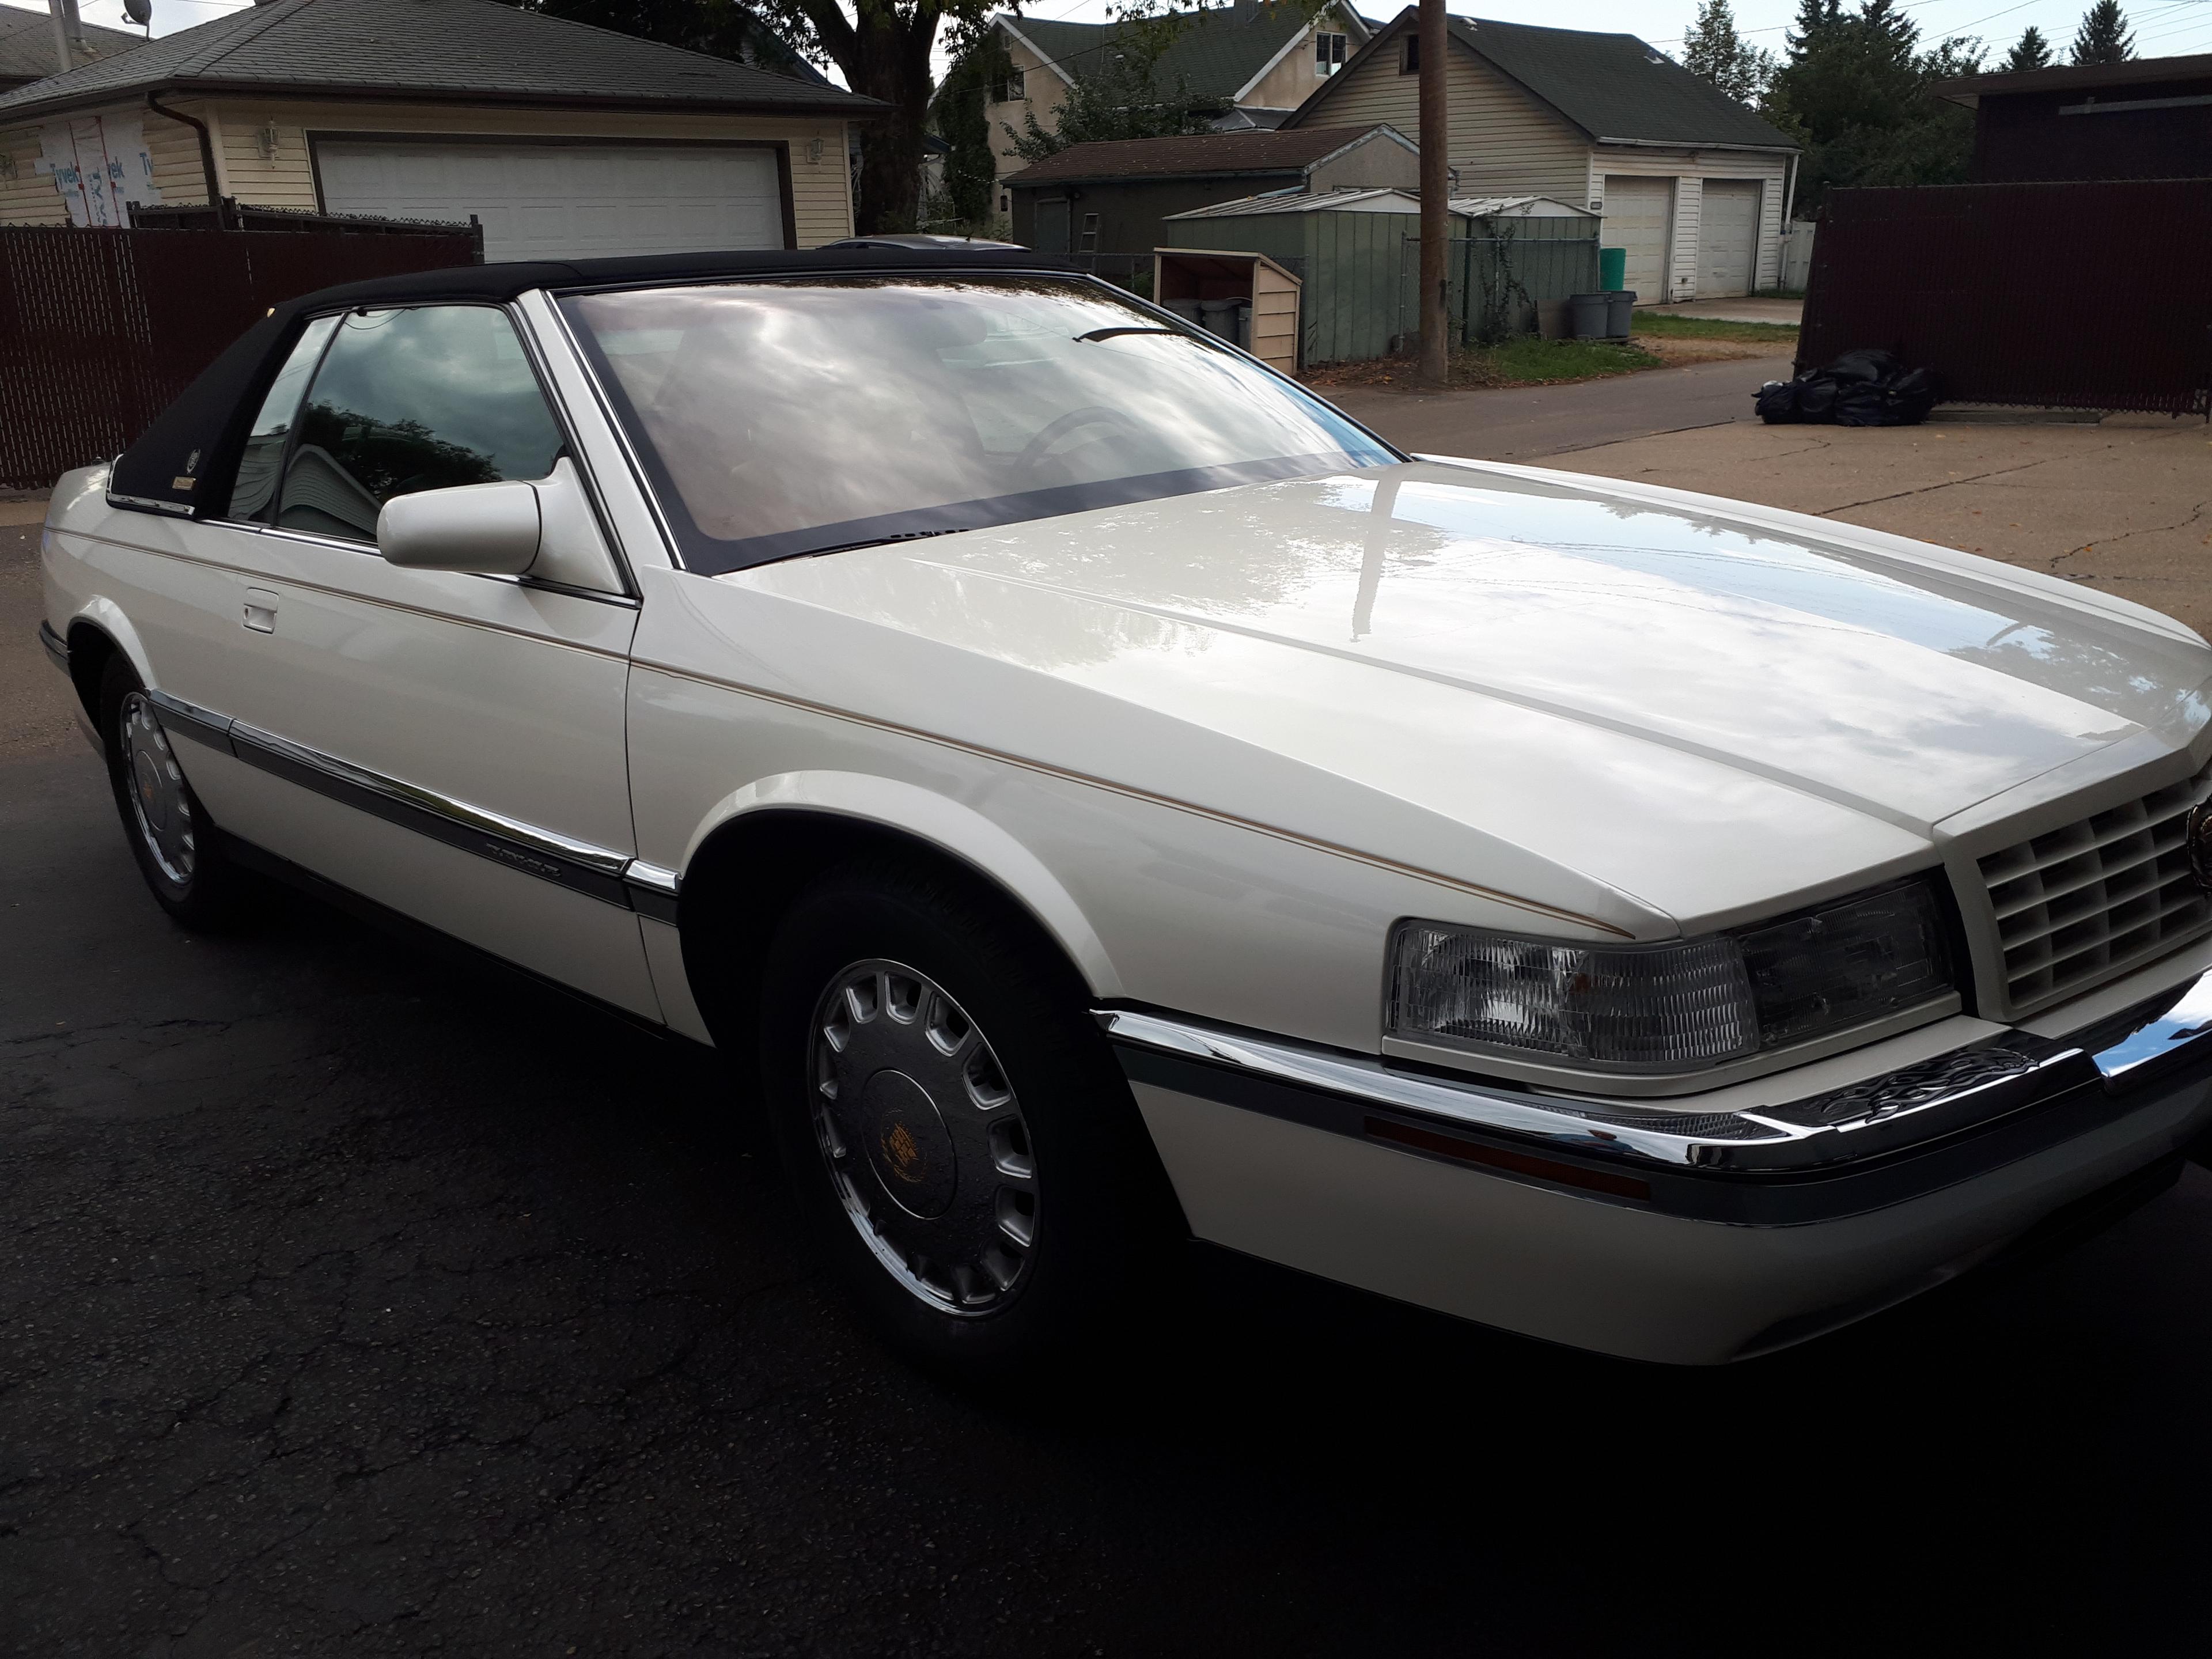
[1111,797]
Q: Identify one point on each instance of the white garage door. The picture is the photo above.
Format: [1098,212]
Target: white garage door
[1727,238]
[1639,213]
[566,201]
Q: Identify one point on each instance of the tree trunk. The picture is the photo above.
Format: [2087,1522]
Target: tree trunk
[1436,189]
[891,62]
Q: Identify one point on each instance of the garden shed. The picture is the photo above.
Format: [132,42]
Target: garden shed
[1358,255]
[1356,252]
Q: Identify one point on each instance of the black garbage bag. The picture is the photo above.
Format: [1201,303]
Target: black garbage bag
[1860,388]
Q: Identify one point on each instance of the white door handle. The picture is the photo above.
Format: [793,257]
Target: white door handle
[261,609]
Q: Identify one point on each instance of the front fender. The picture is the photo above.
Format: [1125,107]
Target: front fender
[959,830]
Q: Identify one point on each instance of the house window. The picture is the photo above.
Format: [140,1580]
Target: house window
[1328,54]
[1409,56]
[1089,244]
[1010,90]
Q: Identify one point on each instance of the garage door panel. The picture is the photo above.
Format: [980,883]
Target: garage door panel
[553,201]
[1639,215]
[1728,242]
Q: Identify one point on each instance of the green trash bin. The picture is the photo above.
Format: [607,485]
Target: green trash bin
[1612,268]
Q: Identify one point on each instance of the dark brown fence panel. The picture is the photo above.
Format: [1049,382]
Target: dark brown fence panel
[100,330]
[2064,296]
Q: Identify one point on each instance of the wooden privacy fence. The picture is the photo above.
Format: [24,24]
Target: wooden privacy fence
[2064,296]
[100,330]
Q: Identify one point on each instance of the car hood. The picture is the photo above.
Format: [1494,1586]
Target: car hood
[1409,627]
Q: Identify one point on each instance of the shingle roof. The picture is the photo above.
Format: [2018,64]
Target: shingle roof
[445,50]
[1251,150]
[1214,53]
[1614,86]
[1611,86]
[27,44]
[1304,201]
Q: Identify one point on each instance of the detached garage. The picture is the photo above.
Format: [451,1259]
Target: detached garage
[563,140]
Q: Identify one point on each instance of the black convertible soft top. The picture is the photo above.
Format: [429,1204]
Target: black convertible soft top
[183,462]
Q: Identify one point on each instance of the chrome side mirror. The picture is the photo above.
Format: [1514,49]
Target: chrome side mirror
[490,529]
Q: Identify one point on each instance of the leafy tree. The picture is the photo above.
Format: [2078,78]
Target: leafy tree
[1712,48]
[971,170]
[1855,92]
[882,47]
[2103,37]
[2030,52]
[1118,95]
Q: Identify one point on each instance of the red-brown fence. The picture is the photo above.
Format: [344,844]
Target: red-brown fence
[100,330]
[2064,296]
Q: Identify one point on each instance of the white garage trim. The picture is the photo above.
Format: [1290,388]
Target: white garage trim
[777,151]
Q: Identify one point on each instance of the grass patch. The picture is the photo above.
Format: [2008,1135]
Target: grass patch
[1526,360]
[1668,326]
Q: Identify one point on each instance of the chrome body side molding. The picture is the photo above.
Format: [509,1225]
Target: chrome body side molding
[1837,1152]
[652,890]
[597,873]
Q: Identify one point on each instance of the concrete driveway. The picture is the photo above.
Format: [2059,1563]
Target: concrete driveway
[359,1297]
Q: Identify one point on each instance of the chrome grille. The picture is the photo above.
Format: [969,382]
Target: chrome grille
[2091,899]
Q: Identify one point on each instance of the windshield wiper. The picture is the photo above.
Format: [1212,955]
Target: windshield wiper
[883,541]
[1108,333]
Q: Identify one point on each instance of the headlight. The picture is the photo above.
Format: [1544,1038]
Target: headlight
[1672,1007]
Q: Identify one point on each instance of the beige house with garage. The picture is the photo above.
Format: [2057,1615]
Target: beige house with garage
[1693,185]
[563,140]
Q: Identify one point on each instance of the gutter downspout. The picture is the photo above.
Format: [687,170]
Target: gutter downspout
[207,155]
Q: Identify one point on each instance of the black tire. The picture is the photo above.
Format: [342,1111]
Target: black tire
[185,869]
[1100,1215]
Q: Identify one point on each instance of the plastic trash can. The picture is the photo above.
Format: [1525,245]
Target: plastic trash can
[1587,315]
[1612,268]
[1186,309]
[1220,317]
[1618,306]
[1245,324]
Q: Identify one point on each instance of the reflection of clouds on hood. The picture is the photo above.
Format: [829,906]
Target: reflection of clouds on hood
[1913,693]
[1545,540]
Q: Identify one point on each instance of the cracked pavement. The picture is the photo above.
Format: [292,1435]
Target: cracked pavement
[360,1299]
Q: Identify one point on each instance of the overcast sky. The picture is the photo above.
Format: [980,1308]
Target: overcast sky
[2163,29]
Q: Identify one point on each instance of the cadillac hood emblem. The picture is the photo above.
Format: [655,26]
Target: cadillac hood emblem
[2197,838]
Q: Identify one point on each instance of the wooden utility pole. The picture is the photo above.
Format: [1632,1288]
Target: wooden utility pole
[1435,186]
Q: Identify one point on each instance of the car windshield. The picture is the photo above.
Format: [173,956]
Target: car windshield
[793,417]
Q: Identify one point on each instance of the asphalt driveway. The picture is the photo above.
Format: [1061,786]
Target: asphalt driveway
[359,1299]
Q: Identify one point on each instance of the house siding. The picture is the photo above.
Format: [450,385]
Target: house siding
[1501,139]
[822,207]
[1292,81]
[29,198]
[1374,163]
[1045,91]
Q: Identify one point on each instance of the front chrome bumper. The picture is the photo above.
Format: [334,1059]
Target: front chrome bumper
[1837,1152]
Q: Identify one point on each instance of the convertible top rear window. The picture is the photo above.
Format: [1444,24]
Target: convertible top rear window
[793,417]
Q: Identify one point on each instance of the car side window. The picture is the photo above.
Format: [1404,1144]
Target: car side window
[262,461]
[423,398]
